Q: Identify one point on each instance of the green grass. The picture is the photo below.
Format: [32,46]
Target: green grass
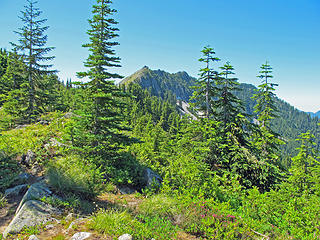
[28,231]
[71,174]
[59,237]
[111,222]
[71,203]
[116,223]
[3,201]
[159,206]
[18,141]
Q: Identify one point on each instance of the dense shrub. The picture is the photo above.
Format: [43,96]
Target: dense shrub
[283,213]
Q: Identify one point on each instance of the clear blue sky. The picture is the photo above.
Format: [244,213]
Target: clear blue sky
[169,35]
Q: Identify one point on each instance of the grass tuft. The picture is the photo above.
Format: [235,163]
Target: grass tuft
[72,174]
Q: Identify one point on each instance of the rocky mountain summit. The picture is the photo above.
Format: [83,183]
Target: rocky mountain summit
[159,81]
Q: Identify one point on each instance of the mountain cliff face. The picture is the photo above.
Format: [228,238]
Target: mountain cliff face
[159,82]
[290,123]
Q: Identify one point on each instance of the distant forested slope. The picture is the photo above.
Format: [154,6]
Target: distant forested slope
[289,125]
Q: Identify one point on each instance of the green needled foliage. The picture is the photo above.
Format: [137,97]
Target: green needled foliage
[229,105]
[205,89]
[265,140]
[268,141]
[14,89]
[31,46]
[305,167]
[100,123]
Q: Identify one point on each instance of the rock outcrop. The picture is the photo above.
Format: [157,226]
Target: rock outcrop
[80,236]
[152,179]
[16,191]
[125,237]
[32,213]
[36,191]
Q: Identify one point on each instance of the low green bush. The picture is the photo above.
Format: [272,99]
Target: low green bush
[72,174]
[154,227]
[213,220]
[282,212]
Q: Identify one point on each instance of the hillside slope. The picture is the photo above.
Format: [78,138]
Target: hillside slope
[290,124]
[159,82]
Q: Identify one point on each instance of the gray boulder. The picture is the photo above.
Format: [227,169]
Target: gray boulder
[35,192]
[125,237]
[21,126]
[53,143]
[33,237]
[16,191]
[74,224]
[80,236]
[152,178]
[32,213]
[71,115]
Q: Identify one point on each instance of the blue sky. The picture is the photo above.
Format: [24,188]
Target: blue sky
[169,35]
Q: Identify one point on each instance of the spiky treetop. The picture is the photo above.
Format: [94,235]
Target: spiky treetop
[227,101]
[265,107]
[32,41]
[102,32]
[205,89]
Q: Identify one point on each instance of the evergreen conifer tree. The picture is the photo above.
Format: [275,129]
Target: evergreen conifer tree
[32,47]
[229,105]
[265,140]
[101,122]
[268,141]
[205,89]
[15,89]
[305,173]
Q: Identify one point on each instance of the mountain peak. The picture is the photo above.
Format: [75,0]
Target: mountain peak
[159,81]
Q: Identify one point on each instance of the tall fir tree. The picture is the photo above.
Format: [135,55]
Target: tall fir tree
[266,110]
[15,94]
[101,121]
[32,47]
[205,89]
[265,140]
[229,105]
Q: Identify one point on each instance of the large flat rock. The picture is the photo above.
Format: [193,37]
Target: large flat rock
[35,192]
[32,213]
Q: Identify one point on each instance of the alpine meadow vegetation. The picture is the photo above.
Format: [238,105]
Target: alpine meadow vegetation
[230,166]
